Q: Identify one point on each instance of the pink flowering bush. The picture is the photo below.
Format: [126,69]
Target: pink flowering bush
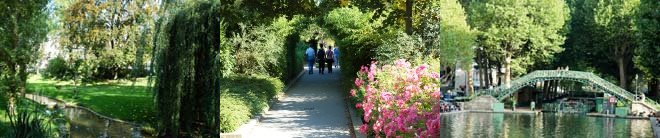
[398,100]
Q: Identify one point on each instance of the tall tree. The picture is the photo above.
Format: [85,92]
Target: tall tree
[22,30]
[104,35]
[647,54]
[520,32]
[409,17]
[187,89]
[455,38]
[614,18]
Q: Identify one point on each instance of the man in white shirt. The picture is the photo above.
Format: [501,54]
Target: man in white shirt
[309,56]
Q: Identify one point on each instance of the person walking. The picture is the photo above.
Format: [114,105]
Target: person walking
[336,58]
[309,55]
[320,55]
[329,58]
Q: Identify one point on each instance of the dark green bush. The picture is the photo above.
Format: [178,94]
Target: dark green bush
[243,91]
[57,68]
[226,52]
[357,37]
[399,46]
[261,49]
[233,113]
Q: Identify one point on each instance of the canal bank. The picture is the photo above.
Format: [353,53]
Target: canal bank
[83,122]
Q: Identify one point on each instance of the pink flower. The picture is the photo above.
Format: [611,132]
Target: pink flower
[386,96]
[399,106]
[364,128]
[436,94]
[421,69]
[358,82]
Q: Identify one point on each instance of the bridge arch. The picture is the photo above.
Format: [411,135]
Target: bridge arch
[503,92]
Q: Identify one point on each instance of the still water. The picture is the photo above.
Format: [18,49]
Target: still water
[490,125]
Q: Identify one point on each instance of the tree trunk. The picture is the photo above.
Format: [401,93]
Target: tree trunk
[654,88]
[480,62]
[489,76]
[482,77]
[622,72]
[469,87]
[507,71]
[408,17]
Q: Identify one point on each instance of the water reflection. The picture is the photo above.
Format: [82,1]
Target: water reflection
[85,124]
[489,125]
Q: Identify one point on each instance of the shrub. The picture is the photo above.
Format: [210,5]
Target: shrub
[399,46]
[261,49]
[250,94]
[233,113]
[58,69]
[226,53]
[398,100]
[357,37]
[28,124]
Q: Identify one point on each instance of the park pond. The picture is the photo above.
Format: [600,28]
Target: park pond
[483,125]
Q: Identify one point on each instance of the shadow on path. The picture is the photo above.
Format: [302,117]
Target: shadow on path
[312,107]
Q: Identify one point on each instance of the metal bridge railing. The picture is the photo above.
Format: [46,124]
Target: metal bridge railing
[502,92]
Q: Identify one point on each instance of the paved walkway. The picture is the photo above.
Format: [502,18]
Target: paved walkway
[313,107]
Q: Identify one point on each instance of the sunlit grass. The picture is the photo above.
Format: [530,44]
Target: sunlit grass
[121,99]
[4,122]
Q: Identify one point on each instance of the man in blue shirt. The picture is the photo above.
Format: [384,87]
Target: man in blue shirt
[309,56]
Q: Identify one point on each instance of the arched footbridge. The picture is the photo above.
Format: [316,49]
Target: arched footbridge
[503,92]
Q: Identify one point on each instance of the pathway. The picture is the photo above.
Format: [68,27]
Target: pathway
[312,107]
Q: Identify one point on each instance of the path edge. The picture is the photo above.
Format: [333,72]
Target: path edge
[247,127]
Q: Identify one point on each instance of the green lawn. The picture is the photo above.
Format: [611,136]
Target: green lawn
[241,97]
[125,100]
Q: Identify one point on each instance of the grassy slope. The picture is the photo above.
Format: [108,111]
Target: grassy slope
[124,100]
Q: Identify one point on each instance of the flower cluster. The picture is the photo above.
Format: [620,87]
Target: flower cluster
[398,100]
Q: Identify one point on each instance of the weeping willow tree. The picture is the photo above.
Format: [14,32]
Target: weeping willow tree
[187,85]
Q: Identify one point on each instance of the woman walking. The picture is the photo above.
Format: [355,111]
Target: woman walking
[329,58]
[320,56]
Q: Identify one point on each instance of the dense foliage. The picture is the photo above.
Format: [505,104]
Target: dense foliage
[519,33]
[244,96]
[261,49]
[110,36]
[57,69]
[615,24]
[398,100]
[646,57]
[400,46]
[187,87]
[357,36]
[24,27]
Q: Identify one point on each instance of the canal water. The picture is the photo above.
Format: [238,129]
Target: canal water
[491,125]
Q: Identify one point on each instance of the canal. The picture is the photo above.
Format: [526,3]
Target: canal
[486,125]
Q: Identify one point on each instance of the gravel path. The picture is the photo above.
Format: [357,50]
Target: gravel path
[313,107]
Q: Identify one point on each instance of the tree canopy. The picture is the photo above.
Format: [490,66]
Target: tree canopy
[519,33]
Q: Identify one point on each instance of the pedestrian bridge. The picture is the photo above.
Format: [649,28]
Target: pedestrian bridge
[587,78]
